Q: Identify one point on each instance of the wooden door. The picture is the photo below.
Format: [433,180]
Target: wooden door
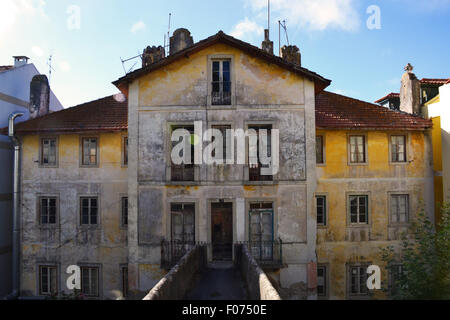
[222,230]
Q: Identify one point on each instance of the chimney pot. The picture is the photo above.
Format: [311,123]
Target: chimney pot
[152,55]
[20,61]
[291,54]
[267,45]
[410,91]
[39,96]
[181,39]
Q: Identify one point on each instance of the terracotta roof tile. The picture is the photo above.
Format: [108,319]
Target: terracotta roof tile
[5,68]
[106,114]
[389,96]
[334,111]
[434,81]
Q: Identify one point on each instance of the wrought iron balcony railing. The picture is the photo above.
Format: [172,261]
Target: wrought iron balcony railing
[221,93]
[266,252]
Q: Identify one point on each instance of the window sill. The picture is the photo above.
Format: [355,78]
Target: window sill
[362,164]
[43,166]
[182,183]
[359,226]
[260,183]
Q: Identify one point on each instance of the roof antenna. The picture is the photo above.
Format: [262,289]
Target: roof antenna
[282,24]
[167,47]
[126,60]
[268,15]
[50,68]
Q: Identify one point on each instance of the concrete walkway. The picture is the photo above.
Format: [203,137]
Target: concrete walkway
[220,281]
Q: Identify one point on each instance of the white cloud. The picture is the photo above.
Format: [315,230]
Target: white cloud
[37,51]
[140,25]
[313,14]
[246,28]
[64,66]
[10,10]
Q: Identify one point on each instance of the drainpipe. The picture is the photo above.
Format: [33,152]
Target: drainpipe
[16,206]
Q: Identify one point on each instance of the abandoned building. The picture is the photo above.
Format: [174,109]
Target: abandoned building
[99,188]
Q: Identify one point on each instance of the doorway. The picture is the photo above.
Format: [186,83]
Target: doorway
[222,231]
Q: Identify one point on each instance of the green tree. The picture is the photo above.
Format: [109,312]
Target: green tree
[420,268]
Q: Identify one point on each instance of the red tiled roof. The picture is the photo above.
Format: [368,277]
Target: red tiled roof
[389,96]
[448,81]
[334,111]
[106,114]
[439,82]
[5,68]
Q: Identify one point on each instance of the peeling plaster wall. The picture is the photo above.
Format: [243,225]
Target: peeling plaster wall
[69,243]
[178,93]
[339,243]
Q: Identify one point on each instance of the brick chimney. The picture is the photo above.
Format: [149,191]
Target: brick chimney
[152,55]
[39,96]
[180,40]
[267,45]
[410,92]
[291,54]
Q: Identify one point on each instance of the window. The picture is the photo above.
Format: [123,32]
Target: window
[396,272]
[89,210]
[359,209]
[321,207]
[124,211]
[255,170]
[183,222]
[47,280]
[357,149]
[90,281]
[125,151]
[398,148]
[319,150]
[47,211]
[358,280]
[221,82]
[225,140]
[184,171]
[399,208]
[322,278]
[124,274]
[89,151]
[261,230]
[48,152]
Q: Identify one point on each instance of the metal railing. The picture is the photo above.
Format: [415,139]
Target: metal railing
[221,93]
[266,252]
[173,251]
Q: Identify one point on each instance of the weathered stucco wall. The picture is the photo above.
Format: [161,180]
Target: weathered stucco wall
[69,243]
[178,93]
[339,243]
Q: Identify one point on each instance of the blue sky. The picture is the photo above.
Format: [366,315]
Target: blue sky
[332,35]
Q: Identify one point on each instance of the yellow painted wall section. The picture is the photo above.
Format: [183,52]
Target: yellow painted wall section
[437,143]
[336,179]
[110,157]
[378,166]
[185,82]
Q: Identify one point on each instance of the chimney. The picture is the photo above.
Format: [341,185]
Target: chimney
[291,54]
[267,45]
[181,39]
[20,61]
[410,92]
[152,55]
[39,96]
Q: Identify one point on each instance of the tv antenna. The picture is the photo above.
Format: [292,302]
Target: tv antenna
[167,36]
[129,59]
[282,24]
[50,68]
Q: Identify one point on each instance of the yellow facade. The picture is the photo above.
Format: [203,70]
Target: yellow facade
[339,243]
[68,243]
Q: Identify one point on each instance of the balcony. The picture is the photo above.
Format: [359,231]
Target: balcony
[221,93]
[173,251]
[268,254]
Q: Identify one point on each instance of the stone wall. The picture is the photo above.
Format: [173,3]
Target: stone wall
[258,284]
[181,278]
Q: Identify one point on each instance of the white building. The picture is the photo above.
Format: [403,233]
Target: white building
[14,97]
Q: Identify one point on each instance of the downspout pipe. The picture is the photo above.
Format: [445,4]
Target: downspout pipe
[16,206]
